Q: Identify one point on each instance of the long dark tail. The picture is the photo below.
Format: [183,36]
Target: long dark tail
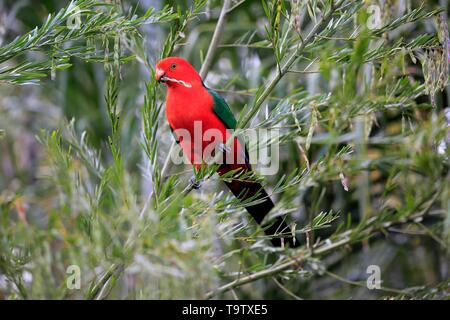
[253,191]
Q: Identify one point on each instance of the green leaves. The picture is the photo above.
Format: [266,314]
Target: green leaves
[412,16]
[63,35]
[32,72]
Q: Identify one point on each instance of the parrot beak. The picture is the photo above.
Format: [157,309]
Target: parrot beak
[159,75]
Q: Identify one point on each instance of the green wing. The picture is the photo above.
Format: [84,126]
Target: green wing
[222,110]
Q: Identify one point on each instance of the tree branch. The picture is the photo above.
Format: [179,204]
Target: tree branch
[215,40]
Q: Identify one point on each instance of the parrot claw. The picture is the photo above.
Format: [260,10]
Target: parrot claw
[224,148]
[194,183]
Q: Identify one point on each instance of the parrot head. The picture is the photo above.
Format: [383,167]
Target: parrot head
[174,71]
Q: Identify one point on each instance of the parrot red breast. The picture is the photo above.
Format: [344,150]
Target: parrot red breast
[192,108]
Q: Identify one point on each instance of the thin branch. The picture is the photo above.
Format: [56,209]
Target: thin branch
[99,287]
[167,163]
[242,45]
[215,40]
[433,236]
[303,72]
[235,6]
[337,38]
[364,285]
[287,291]
[247,93]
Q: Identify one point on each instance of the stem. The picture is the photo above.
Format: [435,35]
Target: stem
[247,93]
[235,6]
[361,284]
[100,286]
[167,162]
[215,40]
[287,291]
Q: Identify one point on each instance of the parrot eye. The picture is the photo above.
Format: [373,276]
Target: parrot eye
[173,66]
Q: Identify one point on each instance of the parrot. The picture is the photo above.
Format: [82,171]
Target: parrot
[191,106]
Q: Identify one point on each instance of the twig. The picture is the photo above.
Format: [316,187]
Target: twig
[169,157]
[245,93]
[242,45]
[146,204]
[307,67]
[235,297]
[303,72]
[337,38]
[361,284]
[235,6]
[99,287]
[215,40]
[432,235]
[287,291]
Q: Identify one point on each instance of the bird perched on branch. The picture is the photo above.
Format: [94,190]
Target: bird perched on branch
[200,118]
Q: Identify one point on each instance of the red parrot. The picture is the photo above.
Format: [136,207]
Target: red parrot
[192,107]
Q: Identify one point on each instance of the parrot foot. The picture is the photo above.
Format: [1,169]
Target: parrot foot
[224,148]
[194,183]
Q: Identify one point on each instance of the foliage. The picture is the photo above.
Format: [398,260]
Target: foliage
[86,173]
